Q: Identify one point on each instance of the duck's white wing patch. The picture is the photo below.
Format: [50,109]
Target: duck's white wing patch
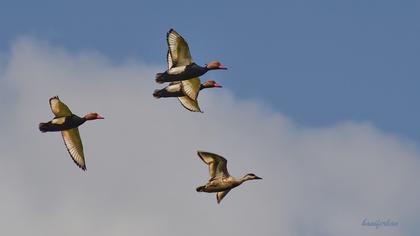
[58,121]
[174,87]
[191,87]
[74,146]
[176,70]
[221,195]
[189,104]
[169,60]
[217,164]
[58,108]
[178,47]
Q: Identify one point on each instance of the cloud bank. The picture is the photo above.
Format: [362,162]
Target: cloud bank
[143,168]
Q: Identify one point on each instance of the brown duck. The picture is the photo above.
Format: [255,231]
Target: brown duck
[221,182]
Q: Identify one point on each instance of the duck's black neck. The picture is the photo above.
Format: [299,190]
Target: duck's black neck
[202,69]
[205,68]
[78,120]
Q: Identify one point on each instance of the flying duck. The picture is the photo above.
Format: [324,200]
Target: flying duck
[187,89]
[174,89]
[66,122]
[220,180]
[182,66]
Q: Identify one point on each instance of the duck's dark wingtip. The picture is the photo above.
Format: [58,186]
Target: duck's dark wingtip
[199,154]
[54,97]
[81,167]
[169,32]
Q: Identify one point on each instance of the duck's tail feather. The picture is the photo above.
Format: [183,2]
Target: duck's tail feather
[200,189]
[159,78]
[157,93]
[43,127]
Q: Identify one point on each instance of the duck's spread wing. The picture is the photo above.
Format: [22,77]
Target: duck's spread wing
[191,87]
[178,48]
[221,195]
[189,104]
[217,164]
[74,146]
[58,108]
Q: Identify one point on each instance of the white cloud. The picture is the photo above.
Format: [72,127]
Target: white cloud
[143,168]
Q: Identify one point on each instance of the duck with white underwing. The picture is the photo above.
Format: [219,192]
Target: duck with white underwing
[67,123]
[221,182]
[186,91]
[174,89]
[182,66]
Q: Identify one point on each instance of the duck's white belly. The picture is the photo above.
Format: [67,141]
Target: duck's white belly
[176,70]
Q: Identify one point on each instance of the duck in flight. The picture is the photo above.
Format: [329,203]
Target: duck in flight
[67,123]
[182,66]
[175,89]
[186,90]
[221,182]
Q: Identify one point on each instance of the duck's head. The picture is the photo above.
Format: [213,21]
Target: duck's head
[250,177]
[215,65]
[211,84]
[93,116]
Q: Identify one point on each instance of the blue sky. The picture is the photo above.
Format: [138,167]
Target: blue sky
[319,62]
